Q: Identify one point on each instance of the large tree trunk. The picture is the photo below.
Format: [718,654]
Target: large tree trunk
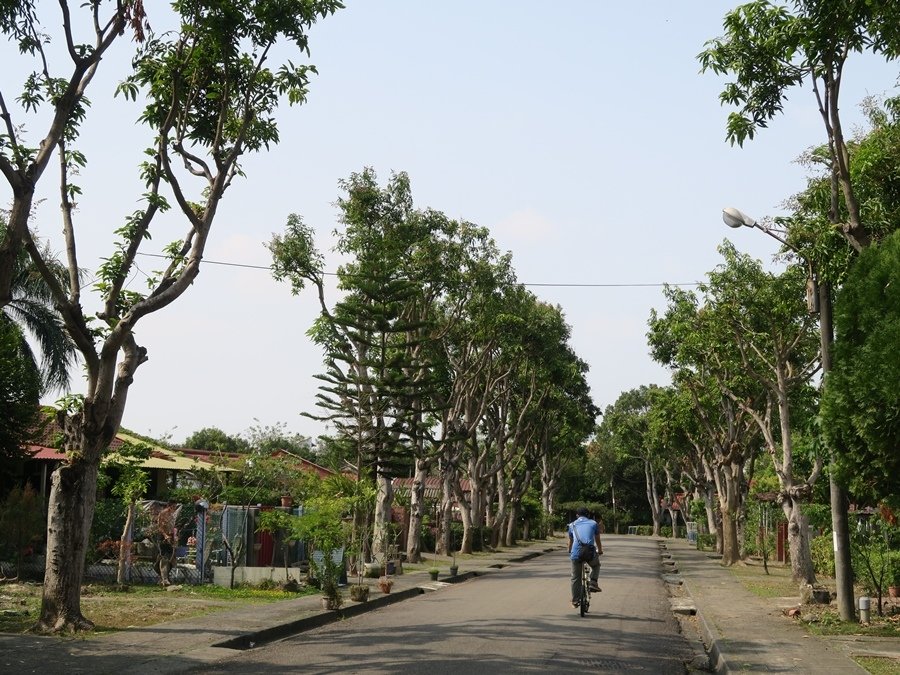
[73,496]
[442,543]
[416,512]
[383,499]
[802,570]
[729,499]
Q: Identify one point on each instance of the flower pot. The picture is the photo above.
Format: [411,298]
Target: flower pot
[385,585]
[453,570]
[330,603]
[433,574]
[359,593]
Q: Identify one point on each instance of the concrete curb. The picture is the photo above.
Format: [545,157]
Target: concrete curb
[255,639]
[717,662]
[324,618]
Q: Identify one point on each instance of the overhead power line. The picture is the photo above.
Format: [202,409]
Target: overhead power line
[536,284]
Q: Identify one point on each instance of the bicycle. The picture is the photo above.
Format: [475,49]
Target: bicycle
[584,602]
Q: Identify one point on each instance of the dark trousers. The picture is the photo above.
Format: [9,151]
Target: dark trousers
[576,575]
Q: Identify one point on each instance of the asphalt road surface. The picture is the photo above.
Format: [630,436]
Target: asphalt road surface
[517,620]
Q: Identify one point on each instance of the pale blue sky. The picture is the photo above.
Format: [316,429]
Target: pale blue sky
[581,133]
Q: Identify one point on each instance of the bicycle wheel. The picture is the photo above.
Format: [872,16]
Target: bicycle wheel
[585,591]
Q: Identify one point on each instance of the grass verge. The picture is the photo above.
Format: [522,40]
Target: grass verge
[112,609]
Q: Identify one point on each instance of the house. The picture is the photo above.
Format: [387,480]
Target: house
[164,464]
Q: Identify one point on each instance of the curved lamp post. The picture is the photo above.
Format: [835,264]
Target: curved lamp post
[818,301]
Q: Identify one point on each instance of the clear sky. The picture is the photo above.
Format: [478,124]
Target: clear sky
[582,134]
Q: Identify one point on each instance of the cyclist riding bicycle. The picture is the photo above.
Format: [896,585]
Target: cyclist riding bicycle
[584,547]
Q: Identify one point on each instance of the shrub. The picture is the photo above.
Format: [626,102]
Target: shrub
[822,550]
[666,531]
[706,542]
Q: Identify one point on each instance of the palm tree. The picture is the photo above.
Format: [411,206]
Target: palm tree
[32,312]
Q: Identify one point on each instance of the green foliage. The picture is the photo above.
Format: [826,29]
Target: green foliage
[212,438]
[769,48]
[861,401]
[20,388]
[32,310]
[706,542]
[874,546]
[22,521]
[822,550]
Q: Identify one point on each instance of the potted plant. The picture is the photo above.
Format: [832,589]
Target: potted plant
[322,526]
[359,592]
[454,568]
[433,572]
[894,575]
[385,584]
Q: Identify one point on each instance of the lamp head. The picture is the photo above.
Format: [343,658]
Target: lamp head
[734,218]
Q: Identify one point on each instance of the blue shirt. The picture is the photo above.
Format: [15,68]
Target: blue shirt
[585,529]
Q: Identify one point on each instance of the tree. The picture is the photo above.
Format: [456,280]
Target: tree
[47,95]
[860,400]
[770,48]
[216,440]
[31,308]
[625,424]
[130,484]
[778,342]
[210,99]
[697,345]
[20,390]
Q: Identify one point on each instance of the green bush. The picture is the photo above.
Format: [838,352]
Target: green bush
[666,531]
[822,551]
[706,542]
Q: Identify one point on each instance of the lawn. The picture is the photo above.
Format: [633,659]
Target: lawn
[112,609]
[818,619]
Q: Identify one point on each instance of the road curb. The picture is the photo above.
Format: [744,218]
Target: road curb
[257,638]
[717,662]
[324,618]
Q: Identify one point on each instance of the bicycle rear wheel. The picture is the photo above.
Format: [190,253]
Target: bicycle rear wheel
[585,591]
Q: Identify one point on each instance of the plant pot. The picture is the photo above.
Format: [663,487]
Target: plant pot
[359,593]
[453,570]
[385,585]
[433,574]
[330,603]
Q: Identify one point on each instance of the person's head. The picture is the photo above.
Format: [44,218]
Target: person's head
[581,511]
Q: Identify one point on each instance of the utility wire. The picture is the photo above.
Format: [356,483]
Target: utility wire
[554,285]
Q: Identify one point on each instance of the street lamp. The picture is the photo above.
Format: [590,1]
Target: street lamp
[735,219]
[818,301]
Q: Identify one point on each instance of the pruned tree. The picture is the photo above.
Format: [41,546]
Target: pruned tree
[47,94]
[210,98]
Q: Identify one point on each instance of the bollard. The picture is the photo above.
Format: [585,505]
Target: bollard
[864,609]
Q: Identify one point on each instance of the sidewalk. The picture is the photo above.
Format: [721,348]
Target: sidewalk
[182,645]
[750,634]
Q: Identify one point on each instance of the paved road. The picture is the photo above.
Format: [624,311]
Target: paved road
[518,620]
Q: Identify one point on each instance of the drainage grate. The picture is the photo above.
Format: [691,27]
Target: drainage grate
[610,664]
